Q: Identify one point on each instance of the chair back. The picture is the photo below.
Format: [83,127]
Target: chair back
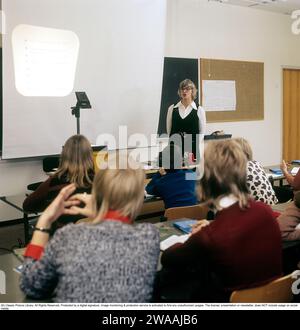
[277,291]
[198,212]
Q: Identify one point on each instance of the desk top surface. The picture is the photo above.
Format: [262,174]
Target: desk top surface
[277,176]
[9,261]
[16,201]
[166,229]
[13,293]
[8,212]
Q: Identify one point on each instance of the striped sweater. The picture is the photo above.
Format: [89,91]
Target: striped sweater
[104,263]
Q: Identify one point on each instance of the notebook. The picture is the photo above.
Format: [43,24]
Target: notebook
[276,171]
[185,225]
[165,244]
[295,170]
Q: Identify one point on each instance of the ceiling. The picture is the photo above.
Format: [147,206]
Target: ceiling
[280,6]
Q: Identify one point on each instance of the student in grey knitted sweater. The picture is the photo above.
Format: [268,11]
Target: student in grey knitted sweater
[109,260]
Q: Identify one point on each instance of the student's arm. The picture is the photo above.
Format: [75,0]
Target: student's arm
[39,275]
[296,182]
[202,120]
[288,176]
[288,222]
[152,186]
[38,197]
[169,119]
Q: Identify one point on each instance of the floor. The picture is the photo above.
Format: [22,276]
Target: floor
[11,237]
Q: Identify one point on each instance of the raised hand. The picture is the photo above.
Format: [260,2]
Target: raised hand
[283,166]
[199,225]
[59,205]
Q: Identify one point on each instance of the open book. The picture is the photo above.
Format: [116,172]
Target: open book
[173,240]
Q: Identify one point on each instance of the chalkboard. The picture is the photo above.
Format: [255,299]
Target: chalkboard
[175,70]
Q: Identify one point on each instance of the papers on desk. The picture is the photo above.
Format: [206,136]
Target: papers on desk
[274,176]
[294,170]
[276,172]
[148,167]
[173,240]
[148,195]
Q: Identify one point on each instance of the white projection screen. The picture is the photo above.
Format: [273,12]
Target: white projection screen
[112,50]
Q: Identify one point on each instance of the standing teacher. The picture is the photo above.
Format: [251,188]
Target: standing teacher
[185,119]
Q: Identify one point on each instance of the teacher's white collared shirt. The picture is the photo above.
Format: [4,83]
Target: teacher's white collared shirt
[184,112]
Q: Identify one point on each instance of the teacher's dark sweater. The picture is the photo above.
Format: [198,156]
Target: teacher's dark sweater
[187,125]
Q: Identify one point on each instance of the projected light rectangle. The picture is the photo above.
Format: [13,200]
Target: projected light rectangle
[44,60]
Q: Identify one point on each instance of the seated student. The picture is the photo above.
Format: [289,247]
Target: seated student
[174,184]
[289,220]
[287,192]
[107,261]
[76,166]
[259,186]
[242,246]
[294,181]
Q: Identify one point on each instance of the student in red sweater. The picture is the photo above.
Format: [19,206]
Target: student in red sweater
[242,246]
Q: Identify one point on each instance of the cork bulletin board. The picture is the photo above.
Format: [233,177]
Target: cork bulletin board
[249,82]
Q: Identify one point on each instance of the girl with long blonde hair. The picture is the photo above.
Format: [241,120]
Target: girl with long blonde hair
[76,166]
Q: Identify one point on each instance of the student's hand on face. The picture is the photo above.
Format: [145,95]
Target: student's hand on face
[86,210]
[59,205]
[162,171]
[199,225]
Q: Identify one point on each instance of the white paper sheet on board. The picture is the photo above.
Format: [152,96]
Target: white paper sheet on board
[219,95]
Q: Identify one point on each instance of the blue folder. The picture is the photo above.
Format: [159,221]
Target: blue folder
[185,225]
[276,171]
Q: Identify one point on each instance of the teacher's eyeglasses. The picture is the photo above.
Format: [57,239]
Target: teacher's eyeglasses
[186,88]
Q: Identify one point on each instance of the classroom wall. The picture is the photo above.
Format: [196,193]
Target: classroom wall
[197,28]
[15,175]
[114,67]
